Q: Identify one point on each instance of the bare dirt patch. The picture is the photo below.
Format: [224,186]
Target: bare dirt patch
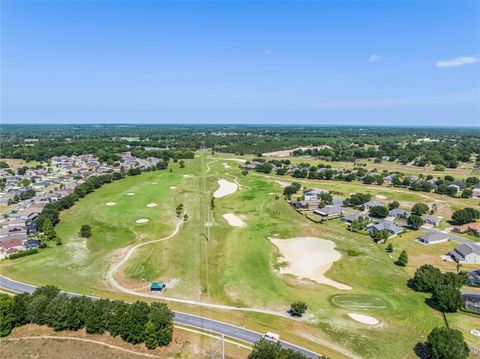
[309,258]
[380,196]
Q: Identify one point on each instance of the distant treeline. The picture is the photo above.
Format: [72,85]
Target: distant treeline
[134,323]
[440,146]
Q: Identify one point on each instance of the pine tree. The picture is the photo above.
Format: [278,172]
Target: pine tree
[150,335]
[402,259]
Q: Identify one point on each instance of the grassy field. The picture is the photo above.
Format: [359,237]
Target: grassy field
[20,344]
[241,261]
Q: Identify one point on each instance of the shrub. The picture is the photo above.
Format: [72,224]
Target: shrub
[28,252]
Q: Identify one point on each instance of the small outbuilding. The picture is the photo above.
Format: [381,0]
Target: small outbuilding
[157,287]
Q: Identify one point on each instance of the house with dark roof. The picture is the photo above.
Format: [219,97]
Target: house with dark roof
[433,238]
[466,254]
[398,213]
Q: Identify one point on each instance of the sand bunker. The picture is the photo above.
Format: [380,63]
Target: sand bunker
[233,220]
[152,205]
[141,221]
[309,258]
[109,204]
[173,187]
[226,188]
[130,194]
[380,196]
[154,182]
[225,165]
[188,176]
[364,319]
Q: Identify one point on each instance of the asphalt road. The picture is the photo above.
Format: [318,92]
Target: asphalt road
[215,326]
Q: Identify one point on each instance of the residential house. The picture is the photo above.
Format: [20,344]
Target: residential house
[310,194]
[328,211]
[11,245]
[474,278]
[471,302]
[476,191]
[389,226]
[431,220]
[468,228]
[354,217]
[398,213]
[433,238]
[466,254]
[371,204]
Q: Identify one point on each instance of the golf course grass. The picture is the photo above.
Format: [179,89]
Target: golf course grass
[242,262]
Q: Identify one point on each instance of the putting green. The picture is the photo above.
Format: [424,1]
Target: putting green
[358,301]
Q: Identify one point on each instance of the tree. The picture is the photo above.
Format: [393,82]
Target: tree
[298,308]
[86,231]
[402,259]
[380,236]
[21,302]
[390,248]
[378,212]
[48,230]
[162,318]
[454,280]
[181,163]
[7,316]
[359,224]
[447,299]
[420,209]
[265,349]
[445,343]
[467,193]
[134,322]
[150,335]
[415,221]
[393,205]
[465,215]
[96,316]
[426,278]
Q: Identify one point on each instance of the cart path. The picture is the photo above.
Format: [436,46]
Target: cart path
[110,278]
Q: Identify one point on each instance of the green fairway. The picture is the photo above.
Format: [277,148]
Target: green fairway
[242,262]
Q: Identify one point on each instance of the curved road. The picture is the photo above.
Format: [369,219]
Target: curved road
[191,320]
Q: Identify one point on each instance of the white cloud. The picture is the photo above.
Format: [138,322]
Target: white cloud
[457,61]
[374,58]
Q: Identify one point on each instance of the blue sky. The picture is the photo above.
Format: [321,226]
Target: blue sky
[376,63]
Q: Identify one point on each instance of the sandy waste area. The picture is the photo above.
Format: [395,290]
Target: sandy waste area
[234,220]
[309,257]
[364,319]
[226,188]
